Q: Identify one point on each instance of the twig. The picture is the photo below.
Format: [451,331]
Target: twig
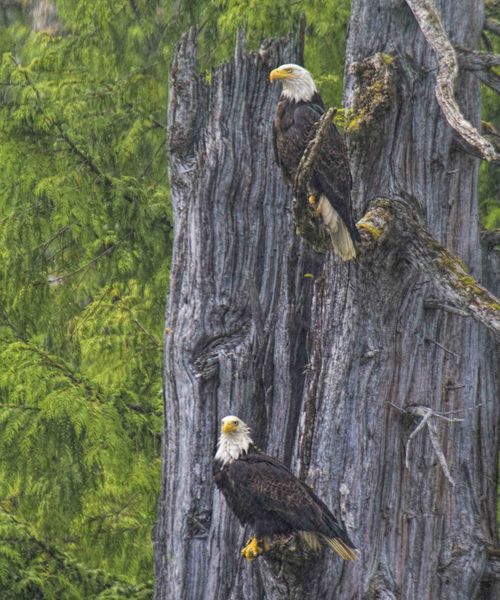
[427,413]
[153,338]
[44,245]
[476,61]
[492,25]
[425,417]
[402,410]
[111,248]
[459,410]
[438,451]
[428,18]
[447,350]
[435,303]
[492,80]
[490,238]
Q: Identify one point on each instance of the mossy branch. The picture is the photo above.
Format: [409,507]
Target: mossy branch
[429,21]
[395,220]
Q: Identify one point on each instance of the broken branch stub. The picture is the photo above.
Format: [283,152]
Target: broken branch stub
[395,219]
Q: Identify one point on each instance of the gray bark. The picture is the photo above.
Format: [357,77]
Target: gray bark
[333,372]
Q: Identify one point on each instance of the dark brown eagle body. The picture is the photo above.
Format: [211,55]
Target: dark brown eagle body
[293,128]
[299,109]
[265,494]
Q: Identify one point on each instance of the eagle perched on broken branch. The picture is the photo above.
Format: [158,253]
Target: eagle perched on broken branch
[299,109]
[266,495]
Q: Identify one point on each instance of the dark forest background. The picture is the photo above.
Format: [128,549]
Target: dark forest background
[85,248]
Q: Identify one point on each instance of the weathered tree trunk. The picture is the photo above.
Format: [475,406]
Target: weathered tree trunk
[238,312]
[333,365]
[380,344]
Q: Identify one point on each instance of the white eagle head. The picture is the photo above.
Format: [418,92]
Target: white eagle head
[298,84]
[234,439]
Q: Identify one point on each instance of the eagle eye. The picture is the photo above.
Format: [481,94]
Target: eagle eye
[236,421]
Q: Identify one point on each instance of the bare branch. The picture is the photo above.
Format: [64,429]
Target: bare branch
[490,79]
[394,221]
[425,417]
[476,61]
[443,348]
[435,303]
[427,413]
[491,134]
[492,25]
[431,427]
[490,238]
[428,18]
[492,569]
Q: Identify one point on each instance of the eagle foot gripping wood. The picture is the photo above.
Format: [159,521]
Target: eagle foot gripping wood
[253,549]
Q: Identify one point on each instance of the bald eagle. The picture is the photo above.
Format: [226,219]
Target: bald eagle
[266,495]
[299,108]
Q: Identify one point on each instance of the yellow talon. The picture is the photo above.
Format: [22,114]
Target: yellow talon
[317,209]
[252,549]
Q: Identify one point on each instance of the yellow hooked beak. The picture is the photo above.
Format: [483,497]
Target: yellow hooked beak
[278,74]
[229,427]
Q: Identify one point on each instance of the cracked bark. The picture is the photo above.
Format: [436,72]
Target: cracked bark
[314,363]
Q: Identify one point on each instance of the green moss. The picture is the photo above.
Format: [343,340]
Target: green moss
[354,124]
[374,231]
[451,263]
[373,93]
[343,117]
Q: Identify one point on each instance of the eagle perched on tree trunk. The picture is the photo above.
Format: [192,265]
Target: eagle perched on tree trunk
[299,108]
[266,495]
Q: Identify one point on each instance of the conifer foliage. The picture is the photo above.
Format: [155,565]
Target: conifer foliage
[84,247]
[85,228]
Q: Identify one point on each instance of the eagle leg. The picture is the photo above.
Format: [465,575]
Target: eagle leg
[252,549]
[312,199]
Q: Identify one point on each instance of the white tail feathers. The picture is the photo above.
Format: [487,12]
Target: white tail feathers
[315,540]
[341,238]
[340,548]
[311,539]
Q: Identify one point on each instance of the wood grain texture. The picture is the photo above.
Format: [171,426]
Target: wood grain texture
[316,364]
[376,342]
[238,310]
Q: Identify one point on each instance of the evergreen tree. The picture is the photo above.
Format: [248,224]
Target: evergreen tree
[85,229]
[85,248]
